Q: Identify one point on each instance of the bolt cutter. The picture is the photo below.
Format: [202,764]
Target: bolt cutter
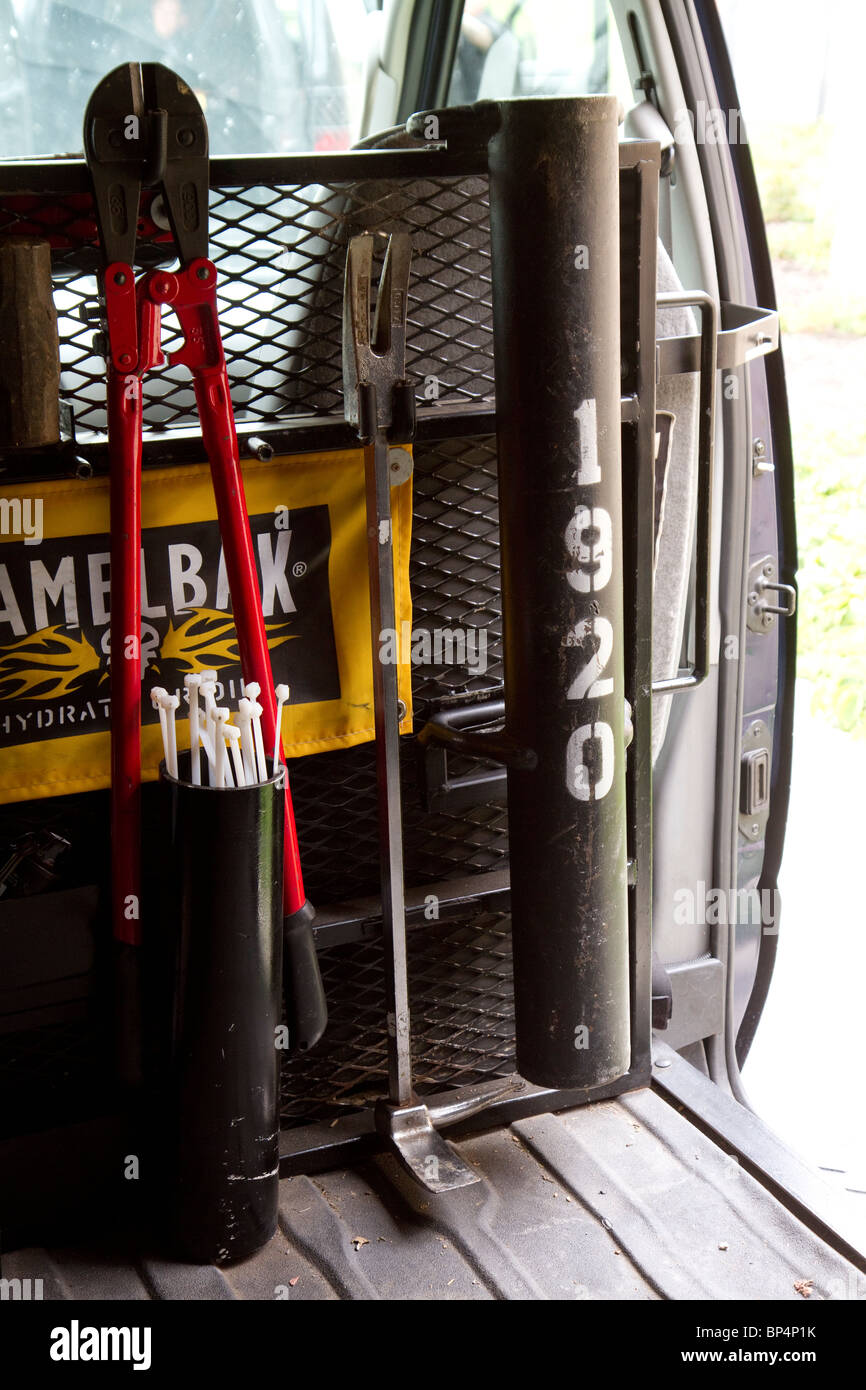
[144,128]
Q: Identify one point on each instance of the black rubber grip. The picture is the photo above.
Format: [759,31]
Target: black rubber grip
[306,1006]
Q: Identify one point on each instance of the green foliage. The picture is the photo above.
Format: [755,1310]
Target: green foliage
[823,312]
[829,443]
[831,505]
[790,164]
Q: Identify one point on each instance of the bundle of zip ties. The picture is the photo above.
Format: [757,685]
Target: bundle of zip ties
[234,753]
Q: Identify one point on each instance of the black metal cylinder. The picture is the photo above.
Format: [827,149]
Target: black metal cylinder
[226,871]
[555,234]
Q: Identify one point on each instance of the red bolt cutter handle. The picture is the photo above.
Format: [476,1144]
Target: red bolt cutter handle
[221,445]
[124,429]
[134,321]
[167,150]
[127,360]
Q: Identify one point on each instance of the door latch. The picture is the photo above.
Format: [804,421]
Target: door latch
[762,613]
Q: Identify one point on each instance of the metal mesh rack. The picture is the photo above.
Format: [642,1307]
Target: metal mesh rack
[279,230]
[280,252]
[280,255]
[462,1019]
[454,565]
[454,573]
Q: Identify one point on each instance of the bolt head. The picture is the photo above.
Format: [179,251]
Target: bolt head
[120,277]
[203,273]
[399,463]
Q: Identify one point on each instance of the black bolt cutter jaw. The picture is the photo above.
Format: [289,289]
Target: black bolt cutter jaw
[144,128]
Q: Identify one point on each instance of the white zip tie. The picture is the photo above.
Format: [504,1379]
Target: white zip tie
[171,704]
[208,746]
[157,695]
[282,694]
[248,747]
[208,692]
[221,716]
[234,737]
[193,685]
[207,732]
[261,760]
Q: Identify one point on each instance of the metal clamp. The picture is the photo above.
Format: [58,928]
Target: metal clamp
[457,730]
[745,334]
[707,363]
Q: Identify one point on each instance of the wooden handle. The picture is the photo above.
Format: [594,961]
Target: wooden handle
[29,355]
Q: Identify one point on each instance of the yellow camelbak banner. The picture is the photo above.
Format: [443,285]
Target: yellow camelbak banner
[308,520]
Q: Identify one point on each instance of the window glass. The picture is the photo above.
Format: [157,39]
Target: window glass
[511,48]
[272,75]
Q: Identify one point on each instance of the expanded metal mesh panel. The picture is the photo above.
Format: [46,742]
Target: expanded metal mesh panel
[454,572]
[338,835]
[454,567]
[280,254]
[462,1019]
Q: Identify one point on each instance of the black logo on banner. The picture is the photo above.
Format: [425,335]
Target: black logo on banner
[55,649]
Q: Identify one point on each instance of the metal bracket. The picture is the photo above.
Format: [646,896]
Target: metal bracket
[412,1131]
[706,363]
[744,335]
[457,729]
[761,465]
[761,616]
[755,768]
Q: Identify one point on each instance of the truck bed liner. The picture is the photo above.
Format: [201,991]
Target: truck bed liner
[622,1199]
